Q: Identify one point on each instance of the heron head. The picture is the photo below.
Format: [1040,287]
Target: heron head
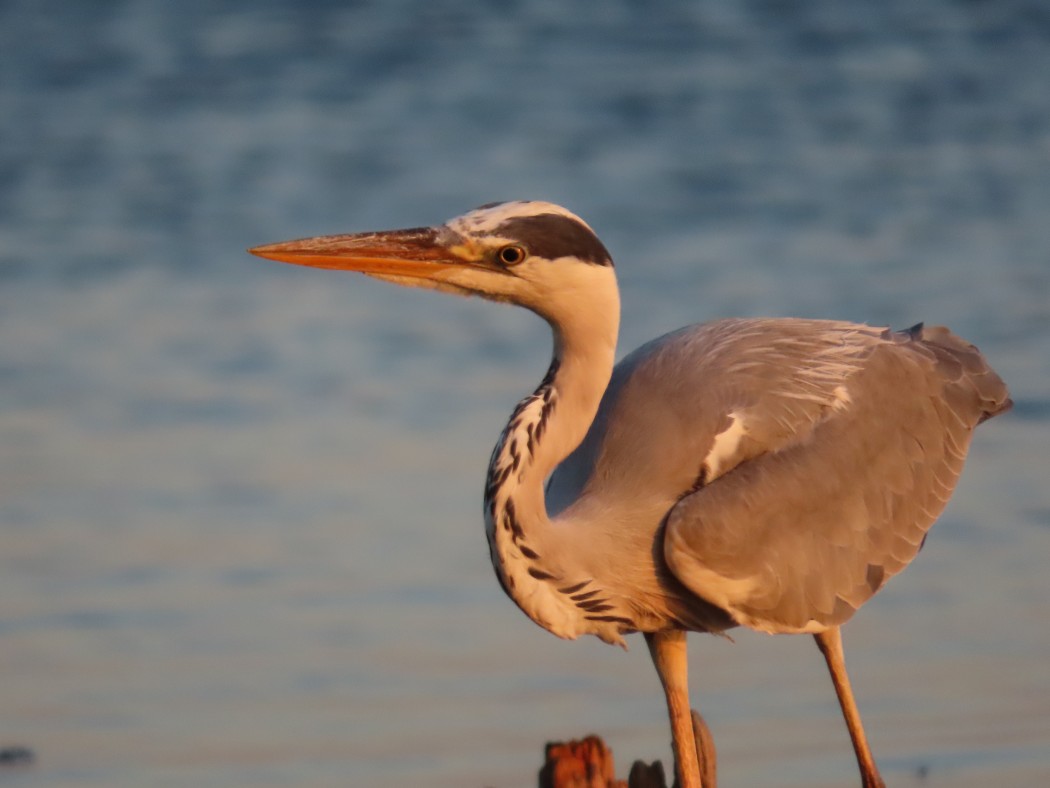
[532,253]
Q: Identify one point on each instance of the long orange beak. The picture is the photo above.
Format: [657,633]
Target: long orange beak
[414,253]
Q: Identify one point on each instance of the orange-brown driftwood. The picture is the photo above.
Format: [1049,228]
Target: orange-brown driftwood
[588,763]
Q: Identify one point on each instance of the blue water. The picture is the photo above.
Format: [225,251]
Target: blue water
[240,503]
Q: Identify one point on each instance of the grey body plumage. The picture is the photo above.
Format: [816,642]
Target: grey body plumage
[851,440]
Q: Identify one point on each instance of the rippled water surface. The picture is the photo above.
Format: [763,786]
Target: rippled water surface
[240,503]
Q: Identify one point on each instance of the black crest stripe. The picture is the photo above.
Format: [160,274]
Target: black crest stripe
[552,235]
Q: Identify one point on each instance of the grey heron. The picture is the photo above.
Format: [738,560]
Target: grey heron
[769,473]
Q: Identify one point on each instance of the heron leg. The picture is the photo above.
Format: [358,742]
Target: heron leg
[830,644]
[668,650]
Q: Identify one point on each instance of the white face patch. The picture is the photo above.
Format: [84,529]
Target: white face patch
[724,446]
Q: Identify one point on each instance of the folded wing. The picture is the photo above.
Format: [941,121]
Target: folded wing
[822,485]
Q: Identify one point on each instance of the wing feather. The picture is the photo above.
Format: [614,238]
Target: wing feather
[847,472]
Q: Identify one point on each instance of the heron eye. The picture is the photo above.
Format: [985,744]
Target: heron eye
[510,255]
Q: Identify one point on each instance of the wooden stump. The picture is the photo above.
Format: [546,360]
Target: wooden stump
[705,750]
[588,763]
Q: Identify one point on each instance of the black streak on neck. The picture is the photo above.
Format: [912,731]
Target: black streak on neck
[507,459]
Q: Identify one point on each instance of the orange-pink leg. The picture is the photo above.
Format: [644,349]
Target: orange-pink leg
[830,643]
[668,650]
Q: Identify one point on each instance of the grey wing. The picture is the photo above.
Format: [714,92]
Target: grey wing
[666,422]
[796,538]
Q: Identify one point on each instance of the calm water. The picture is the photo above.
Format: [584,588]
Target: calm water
[240,503]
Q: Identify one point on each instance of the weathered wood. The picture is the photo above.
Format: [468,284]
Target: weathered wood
[585,763]
[643,775]
[588,763]
[705,751]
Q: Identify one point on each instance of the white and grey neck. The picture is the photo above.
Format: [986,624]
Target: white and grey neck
[543,429]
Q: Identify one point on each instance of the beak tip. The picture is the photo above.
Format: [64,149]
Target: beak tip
[278,252]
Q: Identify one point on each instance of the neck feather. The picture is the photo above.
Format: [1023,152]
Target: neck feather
[543,430]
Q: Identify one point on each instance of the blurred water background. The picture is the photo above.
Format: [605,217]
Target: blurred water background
[240,502]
